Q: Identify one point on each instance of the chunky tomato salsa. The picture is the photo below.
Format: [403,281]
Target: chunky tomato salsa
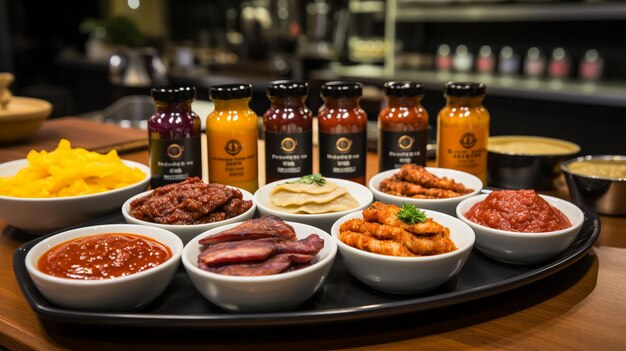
[518,211]
[103,256]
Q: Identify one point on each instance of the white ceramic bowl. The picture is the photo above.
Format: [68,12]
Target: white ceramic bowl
[186,232]
[441,205]
[265,293]
[523,248]
[323,221]
[41,215]
[115,294]
[406,275]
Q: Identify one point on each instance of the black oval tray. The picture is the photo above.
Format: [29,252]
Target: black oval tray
[341,298]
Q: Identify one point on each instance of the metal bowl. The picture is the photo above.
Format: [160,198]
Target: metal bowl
[526,170]
[599,194]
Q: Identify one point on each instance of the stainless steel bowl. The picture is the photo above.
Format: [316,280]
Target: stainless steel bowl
[526,170]
[602,195]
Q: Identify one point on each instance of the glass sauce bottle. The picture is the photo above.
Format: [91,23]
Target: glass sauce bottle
[288,131]
[174,137]
[342,132]
[402,126]
[463,129]
[232,132]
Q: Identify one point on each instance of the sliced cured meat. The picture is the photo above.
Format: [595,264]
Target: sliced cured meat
[256,250]
[263,227]
[189,202]
[274,265]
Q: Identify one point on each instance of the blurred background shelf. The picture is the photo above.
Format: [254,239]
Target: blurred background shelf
[532,12]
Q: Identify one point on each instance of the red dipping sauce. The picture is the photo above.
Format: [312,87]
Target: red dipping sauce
[518,211]
[103,256]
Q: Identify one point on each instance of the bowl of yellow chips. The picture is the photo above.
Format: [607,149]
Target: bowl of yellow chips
[47,191]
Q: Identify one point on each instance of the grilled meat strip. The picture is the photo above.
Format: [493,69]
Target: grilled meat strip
[274,265]
[260,249]
[263,227]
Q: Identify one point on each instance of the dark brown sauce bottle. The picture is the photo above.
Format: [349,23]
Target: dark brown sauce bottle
[288,131]
[342,132]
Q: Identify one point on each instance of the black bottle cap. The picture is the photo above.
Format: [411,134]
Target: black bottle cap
[285,88]
[230,91]
[404,89]
[465,89]
[173,94]
[342,89]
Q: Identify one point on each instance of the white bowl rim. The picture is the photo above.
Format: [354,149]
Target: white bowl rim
[550,199]
[264,278]
[183,226]
[396,259]
[390,172]
[174,259]
[314,215]
[145,169]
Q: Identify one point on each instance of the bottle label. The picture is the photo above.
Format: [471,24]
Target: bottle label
[288,154]
[232,157]
[463,149]
[343,155]
[398,148]
[174,160]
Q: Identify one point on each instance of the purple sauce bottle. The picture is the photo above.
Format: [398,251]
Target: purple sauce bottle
[174,136]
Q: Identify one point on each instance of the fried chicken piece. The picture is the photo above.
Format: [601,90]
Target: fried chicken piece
[422,245]
[419,175]
[396,186]
[387,214]
[370,244]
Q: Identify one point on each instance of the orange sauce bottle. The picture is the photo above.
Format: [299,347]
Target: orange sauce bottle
[463,129]
[402,126]
[231,131]
[342,132]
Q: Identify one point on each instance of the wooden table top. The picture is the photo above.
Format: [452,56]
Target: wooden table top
[580,308]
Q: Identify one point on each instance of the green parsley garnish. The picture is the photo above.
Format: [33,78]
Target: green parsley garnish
[410,214]
[316,178]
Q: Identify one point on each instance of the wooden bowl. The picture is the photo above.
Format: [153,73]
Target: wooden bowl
[22,118]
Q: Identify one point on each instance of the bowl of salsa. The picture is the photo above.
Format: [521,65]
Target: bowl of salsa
[521,226]
[117,267]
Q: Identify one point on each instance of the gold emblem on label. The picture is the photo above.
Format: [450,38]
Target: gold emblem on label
[468,140]
[343,144]
[175,151]
[233,147]
[405,142]
[288,145]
